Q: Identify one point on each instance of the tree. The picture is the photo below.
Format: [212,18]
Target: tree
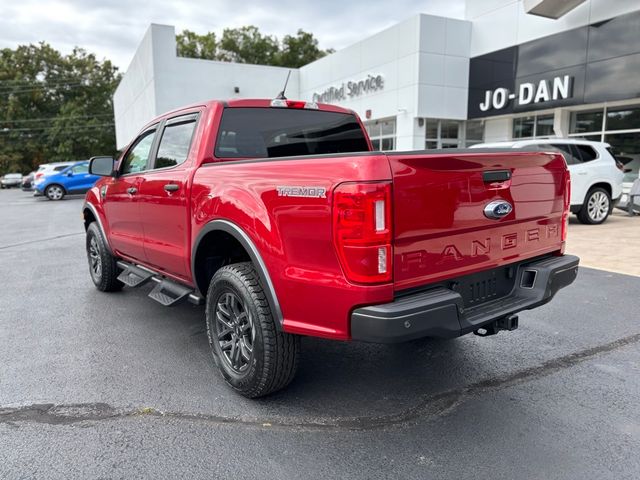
[54,107]
[248,45]
[192,45]
[300,50]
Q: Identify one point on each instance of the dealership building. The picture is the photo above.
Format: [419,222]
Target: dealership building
[511,69]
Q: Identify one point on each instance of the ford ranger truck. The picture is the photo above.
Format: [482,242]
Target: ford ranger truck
[281,220]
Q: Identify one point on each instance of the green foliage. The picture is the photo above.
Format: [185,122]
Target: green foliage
[248,45]
[54,107]
[192,45]
[300,50]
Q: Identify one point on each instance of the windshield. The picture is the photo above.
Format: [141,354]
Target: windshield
[282,132]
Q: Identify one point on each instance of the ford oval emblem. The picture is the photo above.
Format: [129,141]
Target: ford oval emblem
[498,209]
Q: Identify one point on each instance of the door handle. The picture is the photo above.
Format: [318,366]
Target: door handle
[582,173]
[132,190]
[171,187]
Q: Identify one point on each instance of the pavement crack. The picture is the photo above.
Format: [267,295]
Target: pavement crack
[430,406]
[39,240]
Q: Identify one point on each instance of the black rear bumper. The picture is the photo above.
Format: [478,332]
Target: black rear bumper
[440,312]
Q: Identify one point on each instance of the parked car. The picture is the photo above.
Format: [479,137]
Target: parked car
[631,174]
[280,218]
[596,176]
[75,178]
[27,181]
[11,180]
[45,170]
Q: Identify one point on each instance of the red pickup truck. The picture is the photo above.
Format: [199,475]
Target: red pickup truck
[279,217]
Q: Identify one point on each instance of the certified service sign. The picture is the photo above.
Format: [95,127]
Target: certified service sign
[350,89]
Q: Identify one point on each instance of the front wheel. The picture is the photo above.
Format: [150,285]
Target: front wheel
[54,192]
[103,266]
[596,207]
[254,358]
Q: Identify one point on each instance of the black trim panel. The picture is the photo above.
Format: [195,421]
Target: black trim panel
[440,312]
[244,239]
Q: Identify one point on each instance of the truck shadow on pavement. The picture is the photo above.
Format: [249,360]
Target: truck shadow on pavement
[349,385]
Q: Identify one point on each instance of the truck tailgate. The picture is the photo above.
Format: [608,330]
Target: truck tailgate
[440,228]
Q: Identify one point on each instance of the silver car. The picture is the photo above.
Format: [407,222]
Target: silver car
[11,180]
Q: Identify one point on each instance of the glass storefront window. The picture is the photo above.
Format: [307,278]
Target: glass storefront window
[432,128]
[583,122]
[523,127]
[388,127]
[626,147]
[449,129]
[388,143]
[382,134]
[544,126]
[474,132]
[453,133]
[625,118]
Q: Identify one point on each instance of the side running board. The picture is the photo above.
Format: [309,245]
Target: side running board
[133,276]
[166,292]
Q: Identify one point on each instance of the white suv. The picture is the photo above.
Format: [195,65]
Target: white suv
[596,176]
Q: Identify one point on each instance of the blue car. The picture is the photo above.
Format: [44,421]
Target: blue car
[73,179]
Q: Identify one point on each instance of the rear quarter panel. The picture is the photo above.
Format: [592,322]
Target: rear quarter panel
[292,234]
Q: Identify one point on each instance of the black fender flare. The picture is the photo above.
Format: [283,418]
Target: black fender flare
[94,212]
[241,236]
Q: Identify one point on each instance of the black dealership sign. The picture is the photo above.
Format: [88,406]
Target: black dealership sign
[596,63]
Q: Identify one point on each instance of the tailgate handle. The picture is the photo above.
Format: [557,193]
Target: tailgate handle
[496,176]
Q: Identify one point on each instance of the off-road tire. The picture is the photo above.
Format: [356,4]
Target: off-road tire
[274,357]
[584,215]
[106,278]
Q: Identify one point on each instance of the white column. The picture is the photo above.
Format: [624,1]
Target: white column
[561,119]
[409,134]
[498,129]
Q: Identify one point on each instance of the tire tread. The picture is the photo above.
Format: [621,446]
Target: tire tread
[280,360]
[109,280]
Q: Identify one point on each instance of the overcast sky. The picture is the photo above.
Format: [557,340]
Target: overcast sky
[114,28]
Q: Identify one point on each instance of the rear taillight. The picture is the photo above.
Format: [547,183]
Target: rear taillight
[567,205]
[284,103]
[362,231]
[620,165]
[38,175]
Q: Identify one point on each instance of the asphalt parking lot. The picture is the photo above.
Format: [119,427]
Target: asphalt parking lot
[96,385]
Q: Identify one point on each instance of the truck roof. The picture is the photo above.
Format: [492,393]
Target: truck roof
[250,103]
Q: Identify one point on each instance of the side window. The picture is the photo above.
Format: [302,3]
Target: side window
[79,169]
[571,155]
[175,142]
[586,152]
[60,168]
[136,158]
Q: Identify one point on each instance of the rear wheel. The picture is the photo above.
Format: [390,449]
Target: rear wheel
[254,358]
[54,192]
[596,207]
[103,266]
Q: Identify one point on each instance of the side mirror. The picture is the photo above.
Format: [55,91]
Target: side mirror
[628,170]
[69,173]
[102,166]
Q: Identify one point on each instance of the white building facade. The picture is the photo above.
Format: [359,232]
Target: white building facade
[434,82]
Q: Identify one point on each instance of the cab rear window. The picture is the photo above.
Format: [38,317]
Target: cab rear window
[283,132]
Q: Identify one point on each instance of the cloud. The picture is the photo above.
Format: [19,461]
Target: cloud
[113,28]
